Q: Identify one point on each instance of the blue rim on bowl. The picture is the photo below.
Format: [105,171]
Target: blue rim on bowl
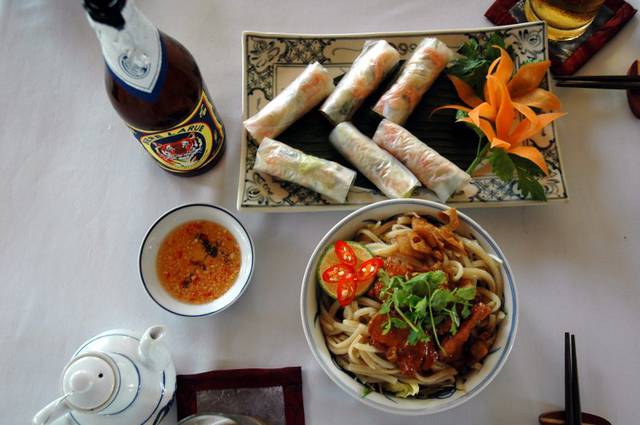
[148,251]
[315,338]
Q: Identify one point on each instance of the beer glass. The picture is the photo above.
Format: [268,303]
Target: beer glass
[566,19]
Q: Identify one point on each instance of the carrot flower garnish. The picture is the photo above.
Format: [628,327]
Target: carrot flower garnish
[506,116]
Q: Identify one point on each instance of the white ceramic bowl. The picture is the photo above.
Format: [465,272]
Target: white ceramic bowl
[475,383]
[169,221]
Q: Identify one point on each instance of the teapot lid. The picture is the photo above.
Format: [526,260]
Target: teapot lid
[90,381]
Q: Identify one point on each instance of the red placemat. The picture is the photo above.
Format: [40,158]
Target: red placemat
[568,56]
[271,395]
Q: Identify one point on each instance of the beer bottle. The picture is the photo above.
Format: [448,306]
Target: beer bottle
[155,85]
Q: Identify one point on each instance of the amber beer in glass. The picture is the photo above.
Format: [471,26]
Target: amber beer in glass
[156,87]
[566,19]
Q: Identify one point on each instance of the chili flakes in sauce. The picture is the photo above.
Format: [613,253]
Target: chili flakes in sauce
[198,261]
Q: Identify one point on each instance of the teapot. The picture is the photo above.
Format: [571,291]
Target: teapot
[117,378]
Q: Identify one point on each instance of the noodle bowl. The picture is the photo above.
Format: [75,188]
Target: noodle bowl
[341,337]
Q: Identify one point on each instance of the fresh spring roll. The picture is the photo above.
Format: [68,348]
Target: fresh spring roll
[416,77]
[368,70]
[432,169]
[298,98]
[383,170]
[284,162]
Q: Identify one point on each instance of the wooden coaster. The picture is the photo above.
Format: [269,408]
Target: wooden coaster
[271,395]
[569,56]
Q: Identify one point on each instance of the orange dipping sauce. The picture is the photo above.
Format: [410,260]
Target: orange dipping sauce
[198,261]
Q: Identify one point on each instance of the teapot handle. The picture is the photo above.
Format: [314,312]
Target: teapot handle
[51,411]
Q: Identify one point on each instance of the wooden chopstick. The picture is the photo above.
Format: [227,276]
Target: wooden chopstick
[597,78]
[568,382]
[610,85]
[577,412]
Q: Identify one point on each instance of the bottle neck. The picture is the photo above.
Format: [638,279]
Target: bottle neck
[132,51]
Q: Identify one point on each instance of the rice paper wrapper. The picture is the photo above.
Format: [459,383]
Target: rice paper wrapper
[418,73]
[433,170]
[368,70]
[328,178]
[298,98]
[383,170]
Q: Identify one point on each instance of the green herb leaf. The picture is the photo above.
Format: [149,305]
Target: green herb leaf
[475,60]
[439,317]
[420,309]
[413,300]
[501,164]
[455,321]
[434,329]
[529,186]
[470,48]
[527,171]
[424,283]
[466,311]
[398,323]
[527,165]
[493,40]
[386,307]
[400,297]
[440,298]
[465,294]
[506,166]
[384,277]
[416,336]
[366,391]
[386,328]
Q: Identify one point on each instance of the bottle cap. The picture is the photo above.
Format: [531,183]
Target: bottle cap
[108,12]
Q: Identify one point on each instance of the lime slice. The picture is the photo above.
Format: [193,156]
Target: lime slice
[329,258]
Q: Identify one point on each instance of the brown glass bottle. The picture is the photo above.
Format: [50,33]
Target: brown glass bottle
[155,85]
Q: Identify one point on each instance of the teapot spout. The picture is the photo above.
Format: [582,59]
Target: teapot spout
[52,411]
[152,351]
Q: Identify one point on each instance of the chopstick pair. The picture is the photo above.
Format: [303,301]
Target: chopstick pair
[573,412]
[612,82]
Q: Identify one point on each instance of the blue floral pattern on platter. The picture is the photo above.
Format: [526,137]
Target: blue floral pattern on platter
[272,60]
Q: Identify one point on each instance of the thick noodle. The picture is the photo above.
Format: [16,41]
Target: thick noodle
[346,329]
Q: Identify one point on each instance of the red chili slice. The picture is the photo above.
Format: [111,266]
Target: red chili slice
[338,272]
[346,291]
[345,253]
[368,269]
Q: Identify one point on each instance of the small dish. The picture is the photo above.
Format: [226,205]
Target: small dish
[163,226]
[474,383]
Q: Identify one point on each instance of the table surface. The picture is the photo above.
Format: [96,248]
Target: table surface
[78,195]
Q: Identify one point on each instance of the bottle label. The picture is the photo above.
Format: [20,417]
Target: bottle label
[192,144]
[134,54]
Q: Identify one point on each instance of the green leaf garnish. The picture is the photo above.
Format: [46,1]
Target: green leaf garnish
[527,171]
[476,58]
[501,164]
[467,293]
[506,166]
[422,303]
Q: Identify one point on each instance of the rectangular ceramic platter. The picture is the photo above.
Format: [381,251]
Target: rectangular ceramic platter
[272,61]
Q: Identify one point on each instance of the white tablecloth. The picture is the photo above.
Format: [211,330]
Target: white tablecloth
[77,195]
